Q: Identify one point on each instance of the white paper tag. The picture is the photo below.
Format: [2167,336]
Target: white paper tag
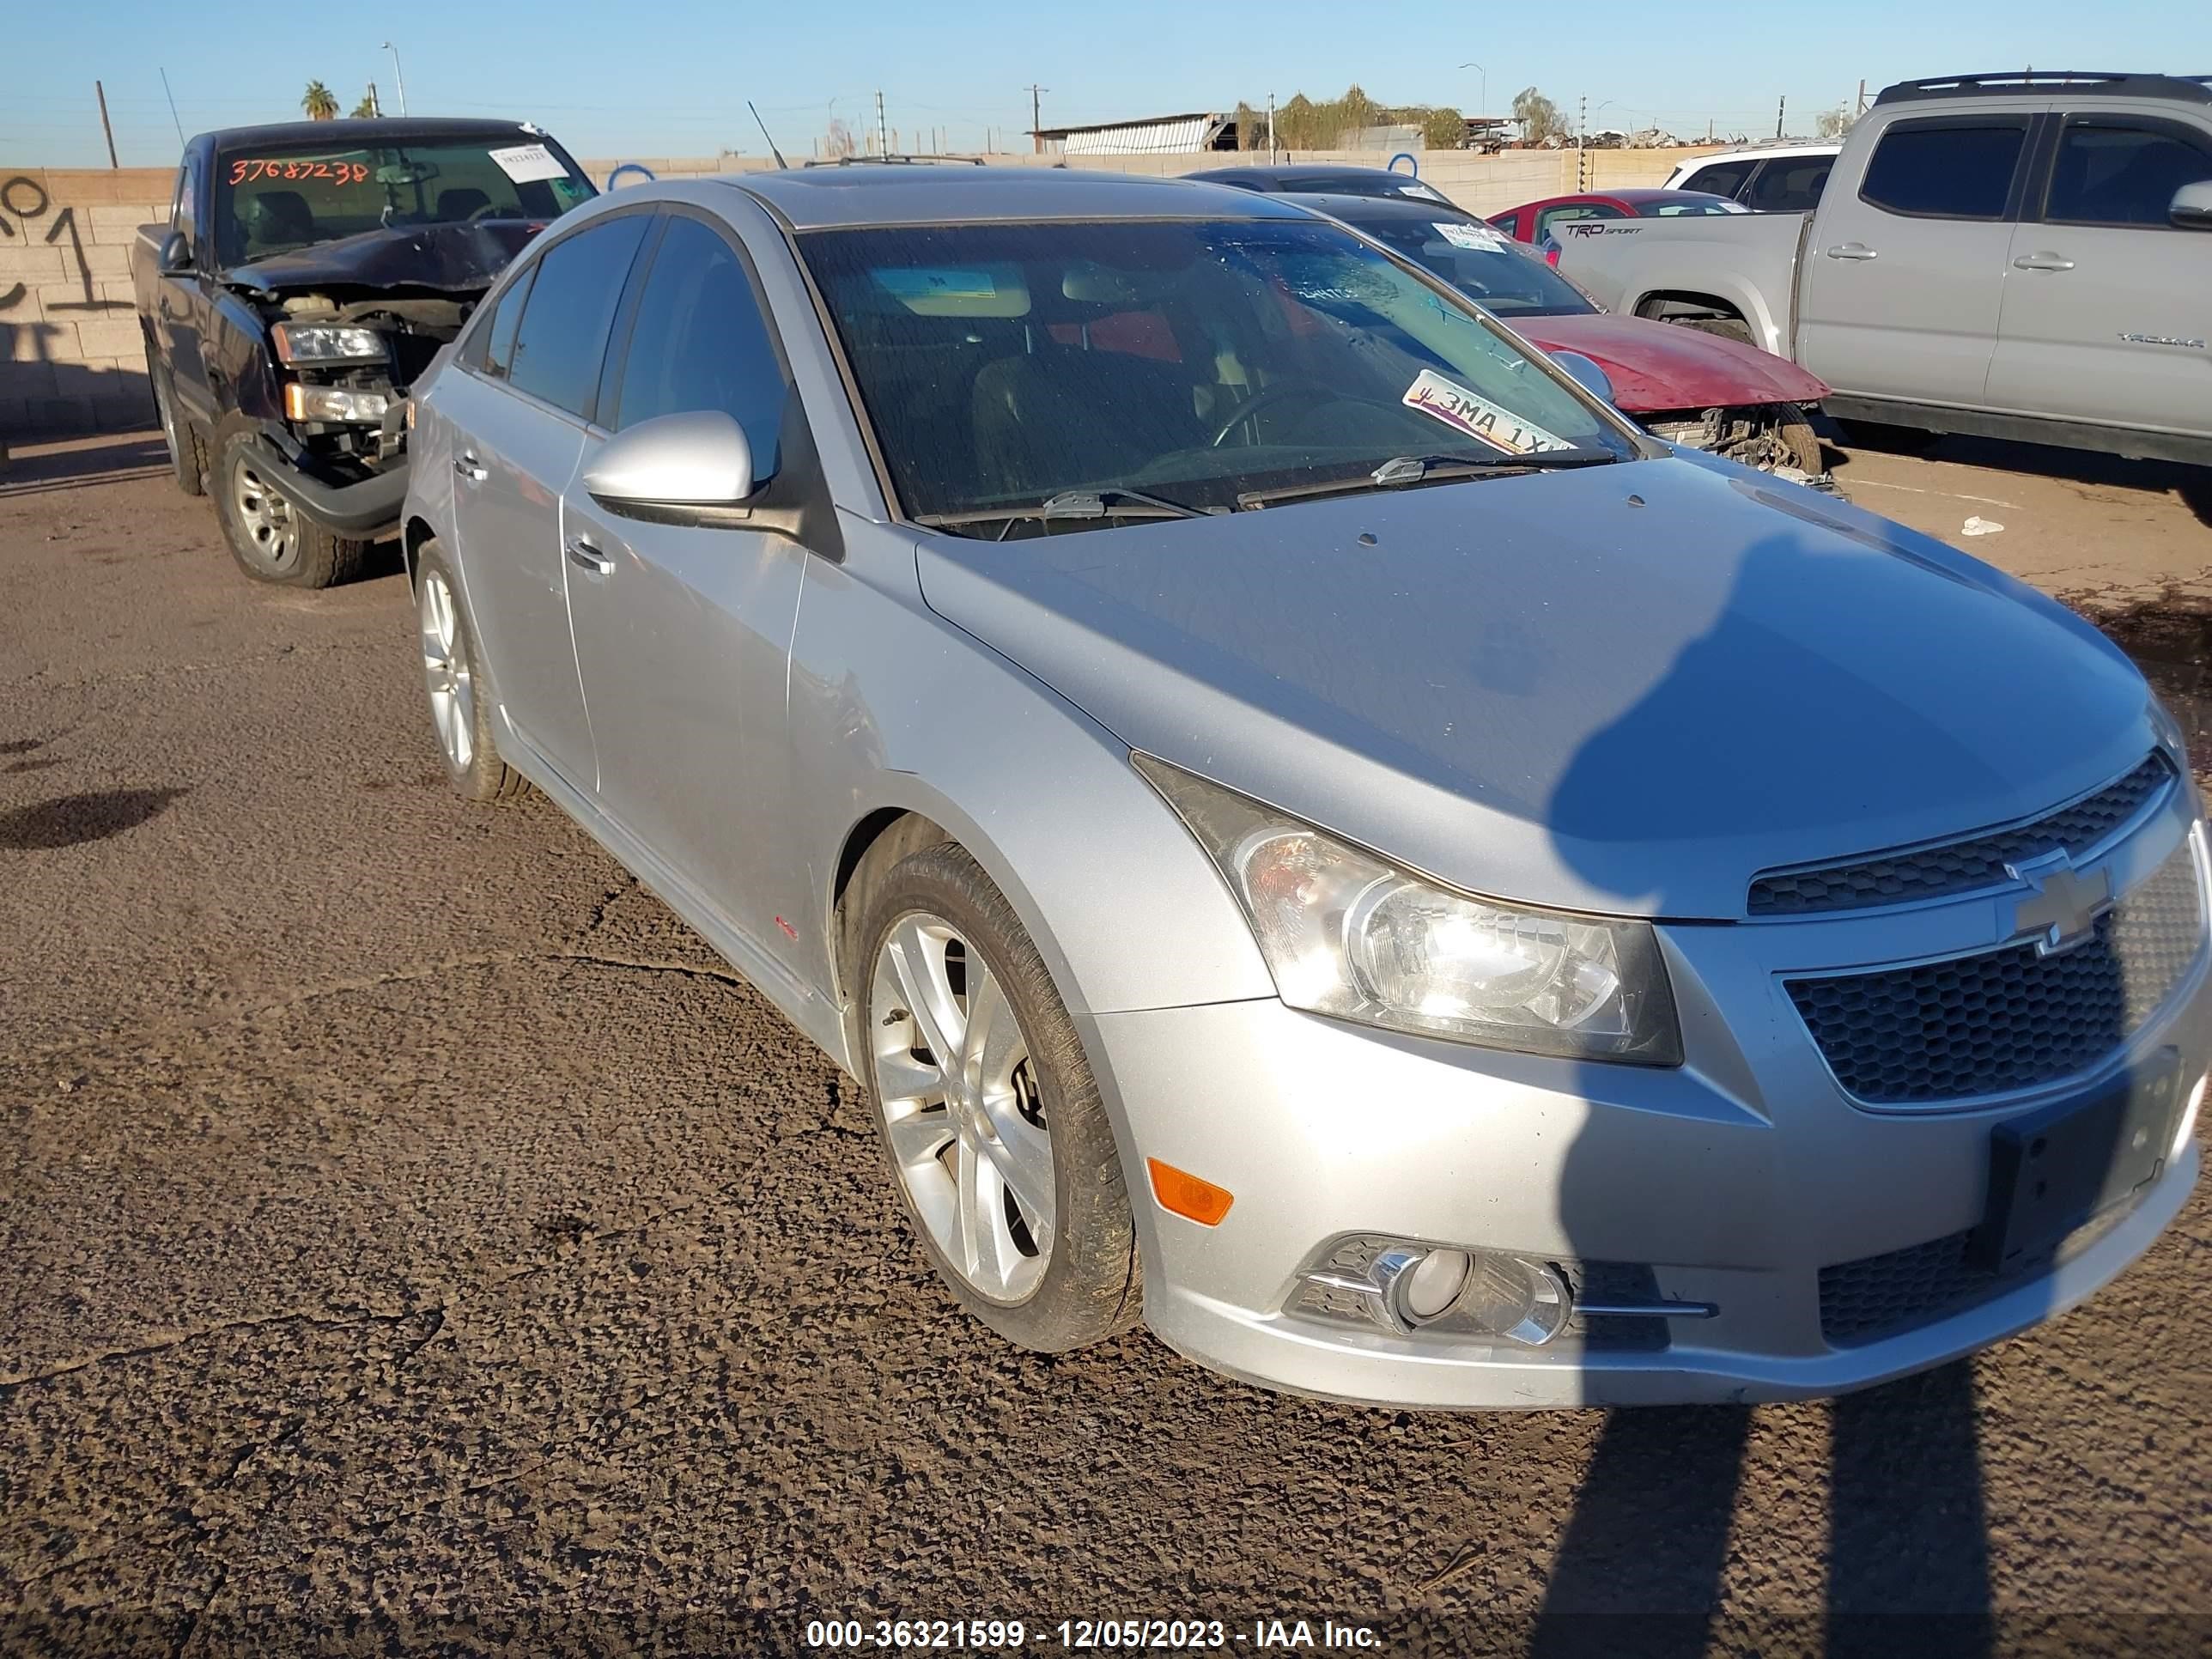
[1481,238]
[1455,406]
[525,162]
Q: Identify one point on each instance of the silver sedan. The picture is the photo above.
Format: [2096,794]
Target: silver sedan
[1313,832]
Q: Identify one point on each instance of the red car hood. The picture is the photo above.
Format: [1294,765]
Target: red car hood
[1656,365]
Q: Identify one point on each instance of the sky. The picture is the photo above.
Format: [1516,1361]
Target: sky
[649,78]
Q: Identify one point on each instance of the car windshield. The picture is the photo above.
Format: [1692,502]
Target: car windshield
[1481,264]
[282,198]
[1003,365]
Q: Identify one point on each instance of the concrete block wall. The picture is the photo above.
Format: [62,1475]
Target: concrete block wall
[72,357]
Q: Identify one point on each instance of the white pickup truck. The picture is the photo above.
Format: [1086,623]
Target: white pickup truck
[2024,256]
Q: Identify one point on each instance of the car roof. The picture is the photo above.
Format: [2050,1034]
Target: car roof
[1274,177]
[1759,148]
[390,129]
[818,198]
[1657,195]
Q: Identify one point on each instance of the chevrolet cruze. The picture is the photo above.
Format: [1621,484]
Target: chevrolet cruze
[1315,833]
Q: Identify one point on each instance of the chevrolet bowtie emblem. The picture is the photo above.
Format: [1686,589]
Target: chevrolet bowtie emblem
[2062,909]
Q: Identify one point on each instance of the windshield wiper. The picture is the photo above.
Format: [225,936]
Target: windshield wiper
[1402,470]
[1111,502]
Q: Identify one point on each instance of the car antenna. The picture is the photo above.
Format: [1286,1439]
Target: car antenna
[772,149]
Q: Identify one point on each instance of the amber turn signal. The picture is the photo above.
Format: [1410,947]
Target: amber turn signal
[1185,1194]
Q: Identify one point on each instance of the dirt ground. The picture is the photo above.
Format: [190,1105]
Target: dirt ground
[410,1236]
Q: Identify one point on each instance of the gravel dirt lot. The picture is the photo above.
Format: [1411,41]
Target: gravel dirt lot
[410,1235]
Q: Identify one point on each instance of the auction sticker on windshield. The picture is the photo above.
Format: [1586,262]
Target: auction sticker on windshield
[1479,238]
[526,162]
[1455,406]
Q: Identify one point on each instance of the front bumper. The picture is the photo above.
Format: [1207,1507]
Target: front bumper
[1730,1182]
[362,510]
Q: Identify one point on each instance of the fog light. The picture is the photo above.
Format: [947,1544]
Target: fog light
[1420,1285]
[2189,1117]
[1526,1302]
[333,403]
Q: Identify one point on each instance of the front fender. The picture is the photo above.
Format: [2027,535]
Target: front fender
[892,707]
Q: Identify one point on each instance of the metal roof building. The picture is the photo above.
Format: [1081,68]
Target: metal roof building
[1151,135]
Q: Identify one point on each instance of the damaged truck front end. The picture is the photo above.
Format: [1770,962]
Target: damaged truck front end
[308,277]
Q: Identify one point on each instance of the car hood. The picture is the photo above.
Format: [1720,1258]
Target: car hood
[1655,366]
[446,259]
[1627,689]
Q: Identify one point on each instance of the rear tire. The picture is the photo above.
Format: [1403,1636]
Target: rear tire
[1804,444]
[272,540]
[459,688]
[1050,1265]
[187,448]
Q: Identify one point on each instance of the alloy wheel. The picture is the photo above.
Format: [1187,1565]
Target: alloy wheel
[272,532]
[955,1083]
[446,671]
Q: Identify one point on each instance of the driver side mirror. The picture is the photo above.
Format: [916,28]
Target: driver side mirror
[2191,207]
[693,468]
[1586,374]
[176,255]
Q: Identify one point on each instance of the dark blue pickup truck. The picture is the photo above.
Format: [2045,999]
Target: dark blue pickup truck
[306,277]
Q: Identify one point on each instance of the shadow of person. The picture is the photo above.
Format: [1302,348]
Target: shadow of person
[1840,677]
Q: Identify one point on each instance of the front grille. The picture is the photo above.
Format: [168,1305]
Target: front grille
[1886,1295]
[1959,867]
[2008,1018]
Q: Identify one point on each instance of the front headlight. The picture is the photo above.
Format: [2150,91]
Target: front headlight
[326,342]
[1344,933]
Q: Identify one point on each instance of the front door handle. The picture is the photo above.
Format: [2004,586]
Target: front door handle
[1852,251]
[583,553]
[2042,262]
[469,467]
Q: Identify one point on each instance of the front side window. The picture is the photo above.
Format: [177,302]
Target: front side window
[2121,172]
[1003,364]
[273,201]
[562,338]
[701,342]
[188,190]
[499,332]
[1940,170]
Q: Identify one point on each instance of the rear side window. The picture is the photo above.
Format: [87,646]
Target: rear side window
[562,338]
[1945,170]
[2122,173]
[1791,186]
[1722,177]
[701,342]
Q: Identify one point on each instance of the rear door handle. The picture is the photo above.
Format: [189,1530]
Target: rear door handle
[1852,251]
[2042,262]
[583,553]
[469,467]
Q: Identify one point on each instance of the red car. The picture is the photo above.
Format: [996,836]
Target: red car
[1531,221]
[1678,383]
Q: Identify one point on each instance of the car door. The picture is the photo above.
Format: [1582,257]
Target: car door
[182,302]
[1901,279]
[1720,178]
[683,631]
[518,421]
[2108,306]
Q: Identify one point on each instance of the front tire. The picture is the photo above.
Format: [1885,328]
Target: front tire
[272,540]
[1000,1146]
[187,448]
[459,689]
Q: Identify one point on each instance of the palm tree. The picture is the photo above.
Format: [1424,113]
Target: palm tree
[317,103]
[366,108]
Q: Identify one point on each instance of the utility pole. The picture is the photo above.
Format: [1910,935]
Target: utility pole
[100,92]
[1037,121]
[1780,104]
[1582,146]
[1859,108]
[397,74]
[374,108]
[883,133]
[1271,129]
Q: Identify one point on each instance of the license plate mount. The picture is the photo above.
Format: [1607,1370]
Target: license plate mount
[2055,1167]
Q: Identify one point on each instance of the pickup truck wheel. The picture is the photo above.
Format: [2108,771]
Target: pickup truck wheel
[271,539]
[1795,431]
[187,449]
[460,689]
[1000,1146]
